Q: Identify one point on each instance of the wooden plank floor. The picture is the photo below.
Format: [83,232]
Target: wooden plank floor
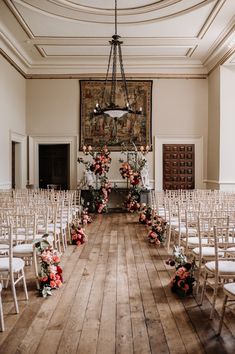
[115,299]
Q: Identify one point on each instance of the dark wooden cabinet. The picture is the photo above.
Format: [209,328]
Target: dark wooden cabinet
[178,166]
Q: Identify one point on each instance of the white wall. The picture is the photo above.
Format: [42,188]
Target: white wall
[52,117]
[12,120]
[213,161]
[227,128]
[180,109]
[180,115]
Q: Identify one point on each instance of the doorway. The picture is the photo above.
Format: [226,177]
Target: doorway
[54,165]
[15,165]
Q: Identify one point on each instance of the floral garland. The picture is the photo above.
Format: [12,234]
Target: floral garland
[102,162]
[102,197]
[131,170]
[50,273]
[100,167]
[132,202]
[183,280]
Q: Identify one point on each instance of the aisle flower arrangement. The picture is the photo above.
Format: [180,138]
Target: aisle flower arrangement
[85,217]
[183,280]
[156,225]
[157,234]
[145,216]
[77,232]
[50,273]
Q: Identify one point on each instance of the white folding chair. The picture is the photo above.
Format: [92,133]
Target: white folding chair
[223,267]
[229,295]
[12,268]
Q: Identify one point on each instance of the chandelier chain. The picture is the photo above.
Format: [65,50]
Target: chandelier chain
[115,16]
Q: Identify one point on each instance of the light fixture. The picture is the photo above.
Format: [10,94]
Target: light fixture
[110,106]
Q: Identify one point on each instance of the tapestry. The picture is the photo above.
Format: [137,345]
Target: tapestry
[114,132]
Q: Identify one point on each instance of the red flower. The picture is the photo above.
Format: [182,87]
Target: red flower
[59,270]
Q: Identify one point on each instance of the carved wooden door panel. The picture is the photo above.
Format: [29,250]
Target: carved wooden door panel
[178,166]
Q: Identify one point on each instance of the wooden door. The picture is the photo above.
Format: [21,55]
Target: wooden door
[54,165]
[178,166]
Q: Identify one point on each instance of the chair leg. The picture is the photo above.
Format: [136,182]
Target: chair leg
[35,265]
[1,315]
[25,286]
[198,277]
[203,289]
[14,294]
[168,239]
[57,241]
[63,240]
[213,302]
[222,314]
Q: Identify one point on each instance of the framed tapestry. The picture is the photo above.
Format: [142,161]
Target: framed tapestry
[100,130]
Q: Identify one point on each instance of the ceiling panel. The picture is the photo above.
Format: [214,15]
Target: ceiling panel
[47,36]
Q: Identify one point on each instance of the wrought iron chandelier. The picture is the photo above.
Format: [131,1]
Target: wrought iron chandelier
[110,106]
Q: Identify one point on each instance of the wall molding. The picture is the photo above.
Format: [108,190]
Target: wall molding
[5,185]
[35,141]
[21,139]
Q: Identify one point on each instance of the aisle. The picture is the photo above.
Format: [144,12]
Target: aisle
[115,299]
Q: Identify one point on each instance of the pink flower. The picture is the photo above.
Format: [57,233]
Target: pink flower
[52,276]
[52,284]
[58,283]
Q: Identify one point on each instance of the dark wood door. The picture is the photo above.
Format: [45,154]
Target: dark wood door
[178,166]
[54,165]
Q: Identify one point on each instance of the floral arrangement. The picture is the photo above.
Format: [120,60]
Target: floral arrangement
[127,172]
[85,217]
[132,170]
[102,162]
[102,197]
[132,202]
[157,234]
[78,236]
[145,216]
[183,280]
[178,258]
[157,224]
[50,273]
[100,167]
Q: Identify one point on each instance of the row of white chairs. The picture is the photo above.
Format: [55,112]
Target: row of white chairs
[24,217]
[203,224]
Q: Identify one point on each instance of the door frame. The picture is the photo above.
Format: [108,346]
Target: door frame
[169,139]
[21,158]
[35,141]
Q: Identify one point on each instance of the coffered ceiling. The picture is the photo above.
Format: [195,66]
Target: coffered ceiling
[71,37]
